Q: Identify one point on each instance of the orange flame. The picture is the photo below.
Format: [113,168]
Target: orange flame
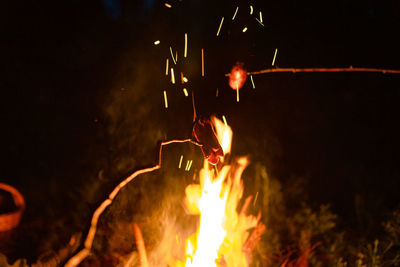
[222,232]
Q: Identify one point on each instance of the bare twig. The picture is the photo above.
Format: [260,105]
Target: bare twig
[140,246]
[294,70]
[85,251]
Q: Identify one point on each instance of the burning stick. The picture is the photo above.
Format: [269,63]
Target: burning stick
[220,25]
[185,52]
[234,15]
[273,61]
[202,62]
[140,246]
[165,99]
[83,253]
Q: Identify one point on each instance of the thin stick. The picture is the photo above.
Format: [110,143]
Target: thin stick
[220,25]
[140,246]
[83,253]
[202,62]
[349,69]
[185,52]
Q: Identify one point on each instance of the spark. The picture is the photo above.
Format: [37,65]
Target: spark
[166,68]
[176,56]
[260,22]
[202,62]
[185,79]
[180,162]
[216,93]
[261,19]
[255,199]
[185,92]
[220,25]
[172,55]
[157,42]
[224,119]
[237,94]
[251,10]
[190,165]
[252,82]
[165,99]
[245,29]
[273,61]
[185,52]
[167,5]
[172,76]
[234,15]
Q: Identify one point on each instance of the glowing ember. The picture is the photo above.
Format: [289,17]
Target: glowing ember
[237,76]
[222,235]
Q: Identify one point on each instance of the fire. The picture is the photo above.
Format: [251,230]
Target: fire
[222,232]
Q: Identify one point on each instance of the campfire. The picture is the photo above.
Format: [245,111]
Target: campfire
[226,234]
[222,238]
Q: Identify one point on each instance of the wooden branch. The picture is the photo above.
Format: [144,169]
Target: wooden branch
[140,246]
[349,69]
[85,251]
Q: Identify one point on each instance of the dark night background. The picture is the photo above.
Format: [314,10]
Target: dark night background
[71,68]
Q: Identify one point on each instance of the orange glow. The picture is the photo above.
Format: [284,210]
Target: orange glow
[237,76]
[222,232]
